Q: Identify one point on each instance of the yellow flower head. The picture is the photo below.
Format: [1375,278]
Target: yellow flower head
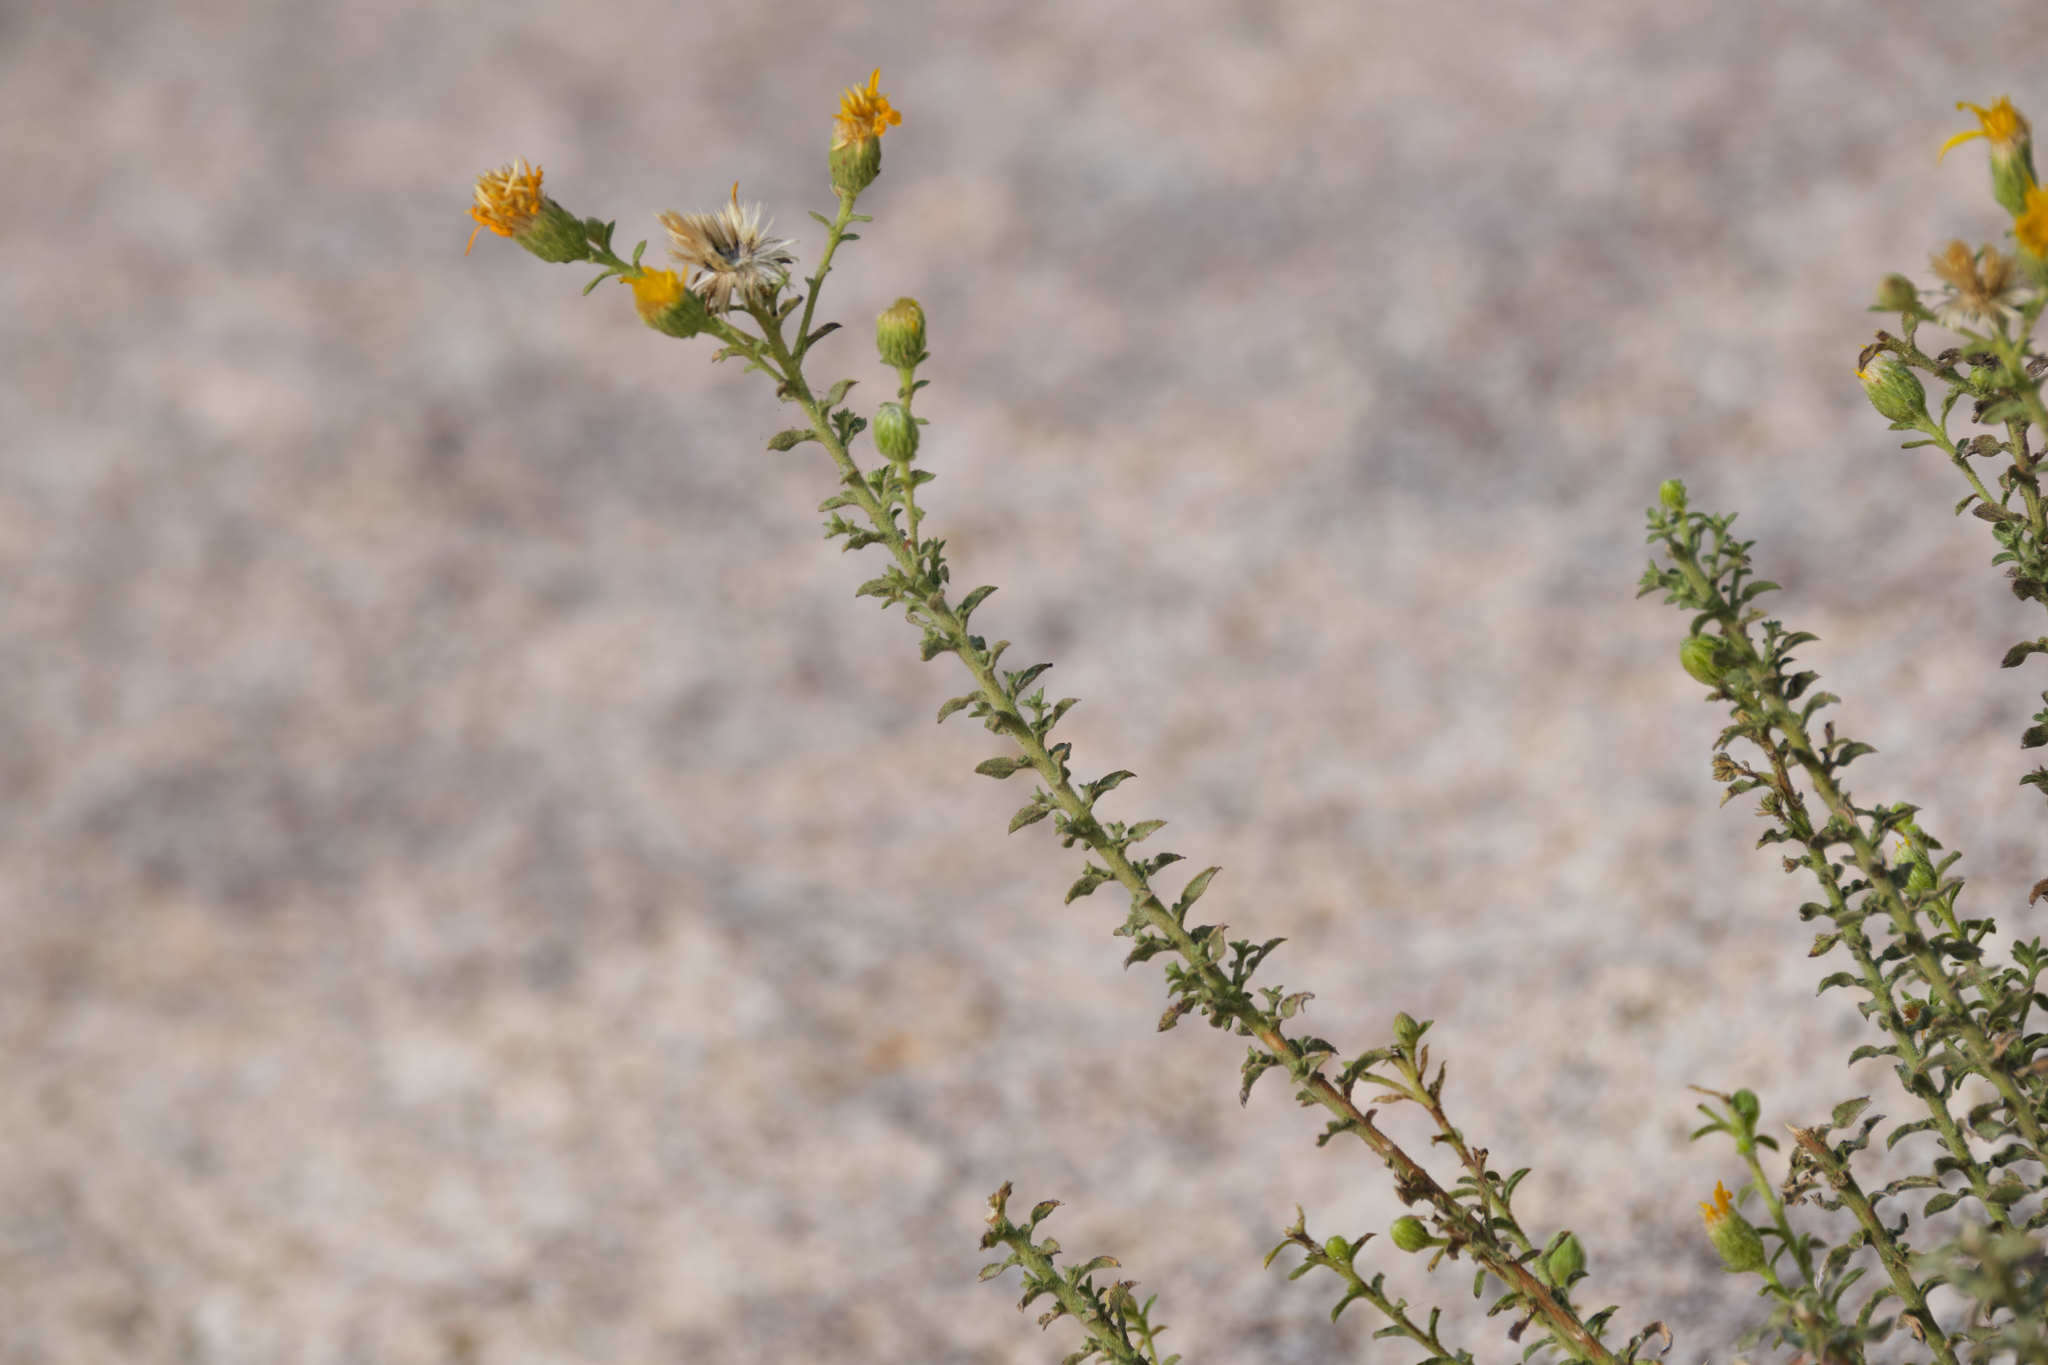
[2031,227]
[665,302]
[2001,125]
[1741,1249]
[507,200]
[863,114]
[655,292]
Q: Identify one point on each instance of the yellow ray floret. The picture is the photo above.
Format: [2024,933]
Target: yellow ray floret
[863,114]
[1723,1205]
[2001,125]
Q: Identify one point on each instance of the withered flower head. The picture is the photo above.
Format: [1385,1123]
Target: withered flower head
[1982,291]
[731,247]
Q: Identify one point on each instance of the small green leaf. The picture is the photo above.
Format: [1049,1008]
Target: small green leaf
[1001,766]
[1107,783]
[2017,655]
[971,601]
[954,704]
[1029,815]
[1193,891]
[791,439]
[837,392]
[1020,681]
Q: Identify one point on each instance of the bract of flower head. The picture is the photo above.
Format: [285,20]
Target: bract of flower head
[1981,288]
[1894,389]
[506,200]
[739,260]
[863,114]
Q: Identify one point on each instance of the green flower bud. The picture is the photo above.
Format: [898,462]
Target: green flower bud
[1338,1250]
[1410,1235]
[1671,493]
[1566,1260]
[1919,872]
[1701,656]
[1894,390]
[1896,294]
[856,164]
[1406,1031]
[899,334]
[895,432]
[1741,1249]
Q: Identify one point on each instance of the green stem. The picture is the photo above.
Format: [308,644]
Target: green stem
[833,235]
[1893,1257]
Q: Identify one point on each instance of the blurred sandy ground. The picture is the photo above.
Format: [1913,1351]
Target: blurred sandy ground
[476,888]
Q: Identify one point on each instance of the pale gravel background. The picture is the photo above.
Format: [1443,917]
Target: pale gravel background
[477,888]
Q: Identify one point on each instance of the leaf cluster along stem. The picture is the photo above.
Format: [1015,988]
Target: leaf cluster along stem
[1920,978]
[1766,717]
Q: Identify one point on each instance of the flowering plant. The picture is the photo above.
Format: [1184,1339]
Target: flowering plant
[1949,1014]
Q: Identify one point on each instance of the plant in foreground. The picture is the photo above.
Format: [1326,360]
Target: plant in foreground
[1947,1013]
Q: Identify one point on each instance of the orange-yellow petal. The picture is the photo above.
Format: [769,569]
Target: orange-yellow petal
[2031,227]
[2001,123]
[864,113]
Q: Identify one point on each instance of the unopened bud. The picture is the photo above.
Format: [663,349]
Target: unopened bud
[1671,493]
[1896,294]
[1338,1250]
[1566,1260]
[1894,390]
[1409,1234]
[895,432]
[899,334]
[1406,1030]
[1701,656]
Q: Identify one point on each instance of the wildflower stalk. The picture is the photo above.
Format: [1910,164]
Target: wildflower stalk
[1110,1317]
[919,580]
[1762,693]
[1945,1011]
